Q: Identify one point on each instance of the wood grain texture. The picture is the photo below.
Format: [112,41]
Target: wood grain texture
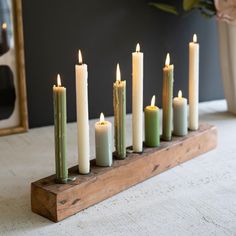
[59,201]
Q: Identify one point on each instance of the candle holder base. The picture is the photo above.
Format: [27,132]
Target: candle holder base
[130,150]
[166,139]
[65,181]
[59,201]
[119,157]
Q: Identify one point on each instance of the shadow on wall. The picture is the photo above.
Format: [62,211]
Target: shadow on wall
[107,32]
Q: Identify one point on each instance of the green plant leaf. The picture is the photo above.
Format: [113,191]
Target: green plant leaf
[207,6]
[164,7]
[189,4]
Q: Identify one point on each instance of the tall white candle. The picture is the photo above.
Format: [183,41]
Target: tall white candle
[137,99]
[81,73]
[193,83]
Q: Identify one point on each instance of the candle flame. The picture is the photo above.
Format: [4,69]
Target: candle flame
[102,118]
[80,57]
[118,72]
[153,100]
[4,25]
[58,80]
[167,63]
[180,94]
[194,38]
[137,47]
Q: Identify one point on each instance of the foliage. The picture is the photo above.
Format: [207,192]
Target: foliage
[164,7]
[206,7]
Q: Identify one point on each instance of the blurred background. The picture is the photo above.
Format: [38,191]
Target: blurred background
[107,32]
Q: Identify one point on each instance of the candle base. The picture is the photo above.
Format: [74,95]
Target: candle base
[151,146]
[119,157]
[138,152]
[103,165]
[193,129]
[179,135]
[57,202]
[84,173]
[65,181]
[131,150]
[164,138]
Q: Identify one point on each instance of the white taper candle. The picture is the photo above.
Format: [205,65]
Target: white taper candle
[81,72]
[193,83]
[137,99]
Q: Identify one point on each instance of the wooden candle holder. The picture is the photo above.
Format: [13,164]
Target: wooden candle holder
[59,201]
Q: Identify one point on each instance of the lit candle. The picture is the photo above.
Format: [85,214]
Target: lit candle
[180,115]
[103,140]
[152,129]
[119,103]
[59,99]
[167,97]
[193,83]
[4,46]
[82,116]
[137,99]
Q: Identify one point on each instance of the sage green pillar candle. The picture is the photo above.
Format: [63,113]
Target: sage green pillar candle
[119,103]
[152,126]
[180,115]
[167,97]
[103,142]
[59,99]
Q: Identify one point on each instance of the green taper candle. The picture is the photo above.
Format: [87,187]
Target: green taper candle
[103,142]
[59,99]
[167,97]
[119,103]
[152,127]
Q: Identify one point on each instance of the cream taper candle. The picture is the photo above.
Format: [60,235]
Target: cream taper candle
[193,83]
[137,100]
[81,73]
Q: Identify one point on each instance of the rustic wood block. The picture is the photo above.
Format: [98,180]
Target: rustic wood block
[59,201]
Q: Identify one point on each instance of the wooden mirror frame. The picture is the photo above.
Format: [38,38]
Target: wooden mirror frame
[20,71]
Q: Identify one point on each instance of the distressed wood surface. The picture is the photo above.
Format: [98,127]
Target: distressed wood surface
[194,198]
[59,201]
